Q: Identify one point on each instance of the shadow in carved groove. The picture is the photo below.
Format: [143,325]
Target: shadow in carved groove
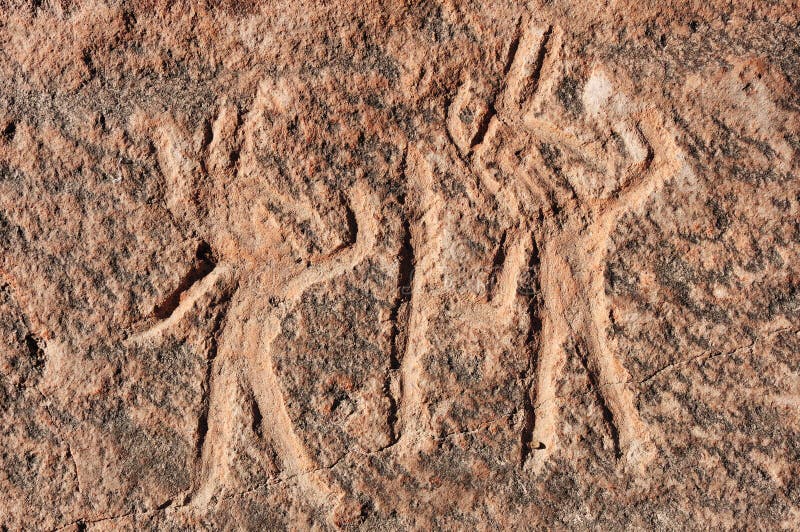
[568,237]
[259,293]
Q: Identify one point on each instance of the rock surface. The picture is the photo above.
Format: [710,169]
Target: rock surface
[430,265]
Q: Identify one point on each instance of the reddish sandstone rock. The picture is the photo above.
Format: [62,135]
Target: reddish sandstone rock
[433,265]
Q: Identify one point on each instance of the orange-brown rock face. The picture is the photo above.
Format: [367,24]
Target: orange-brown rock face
[399,265]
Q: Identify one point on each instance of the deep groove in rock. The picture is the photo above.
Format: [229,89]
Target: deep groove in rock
[512,48]
[202,265]
[35,352]
[208,135]
[532,289]
[202,419]
[352,228]
[164,505]
[608,417]
[534,292]
[405,274]
[237,149]
[257,420]
[352,225]
[483,127]
[9,131]
[533,85]
[89,64]
[497,265]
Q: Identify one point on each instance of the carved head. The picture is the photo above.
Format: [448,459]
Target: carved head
[244,182]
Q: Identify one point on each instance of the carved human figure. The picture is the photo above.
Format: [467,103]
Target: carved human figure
[262,269]
[567,186]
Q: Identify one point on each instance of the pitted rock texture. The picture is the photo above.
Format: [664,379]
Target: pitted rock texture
[399,265]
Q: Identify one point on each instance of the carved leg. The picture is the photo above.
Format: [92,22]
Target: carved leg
[217,442]
[611,378]
[556,283]
[263,378]
[426,235]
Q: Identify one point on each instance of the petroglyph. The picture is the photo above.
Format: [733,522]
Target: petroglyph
[571,251]
[399,265]
[426,240]
[263,290]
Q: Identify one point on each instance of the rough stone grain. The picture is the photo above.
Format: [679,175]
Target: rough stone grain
[399,265]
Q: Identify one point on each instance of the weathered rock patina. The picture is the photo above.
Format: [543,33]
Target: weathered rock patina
[426,265]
